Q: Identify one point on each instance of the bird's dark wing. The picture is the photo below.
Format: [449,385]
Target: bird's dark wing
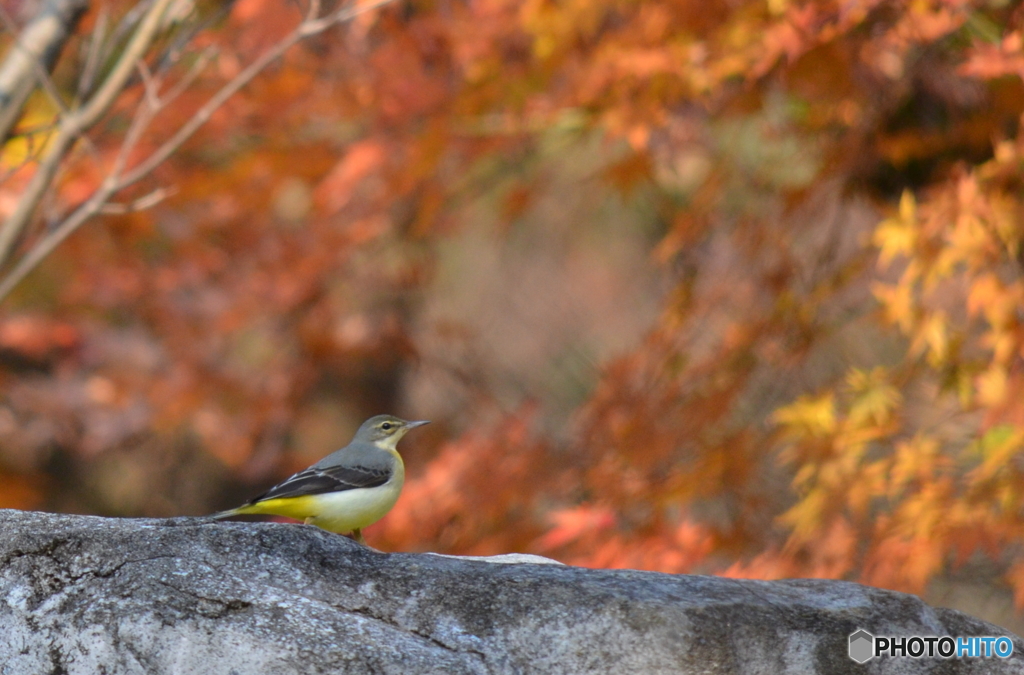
[318,480]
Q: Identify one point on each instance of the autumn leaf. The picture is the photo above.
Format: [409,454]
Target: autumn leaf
[898,235]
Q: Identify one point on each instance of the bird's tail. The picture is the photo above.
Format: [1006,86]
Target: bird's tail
[224,514]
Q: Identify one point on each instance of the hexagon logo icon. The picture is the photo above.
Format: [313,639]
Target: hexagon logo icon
[862,646]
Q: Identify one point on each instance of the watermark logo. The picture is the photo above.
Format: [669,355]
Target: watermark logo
[864,646]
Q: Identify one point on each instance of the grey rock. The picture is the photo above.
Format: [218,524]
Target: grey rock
[85,595]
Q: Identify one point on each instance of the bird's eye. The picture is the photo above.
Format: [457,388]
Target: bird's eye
[387,426]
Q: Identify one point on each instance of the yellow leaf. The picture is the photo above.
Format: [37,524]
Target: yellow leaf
[804,475]
[998,447]
[1005,222]
[914,459]
[897,236]
[806,516]
[972,237]
[813,417]
[991,386]
[898,303]
[40,123]
[984,292]
[1004,344]
[932,337]
[875,399]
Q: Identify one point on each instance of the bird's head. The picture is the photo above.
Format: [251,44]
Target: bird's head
[385,430]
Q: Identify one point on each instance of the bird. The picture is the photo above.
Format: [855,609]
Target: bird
[346,490]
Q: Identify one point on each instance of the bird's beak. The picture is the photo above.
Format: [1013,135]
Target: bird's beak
[418,423]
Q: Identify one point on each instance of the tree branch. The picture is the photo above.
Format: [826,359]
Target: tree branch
[40,43]
[74,123]
[308,28]
[118,179]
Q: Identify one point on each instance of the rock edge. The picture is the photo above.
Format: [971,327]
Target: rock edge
[86,595]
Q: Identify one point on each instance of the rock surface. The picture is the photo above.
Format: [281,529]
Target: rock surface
[85,595]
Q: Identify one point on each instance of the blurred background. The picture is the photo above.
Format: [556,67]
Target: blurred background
[697,287]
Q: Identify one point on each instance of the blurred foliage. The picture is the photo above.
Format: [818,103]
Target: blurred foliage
[689,286]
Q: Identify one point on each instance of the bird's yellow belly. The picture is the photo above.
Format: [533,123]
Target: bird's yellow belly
[355,509]
[337,511]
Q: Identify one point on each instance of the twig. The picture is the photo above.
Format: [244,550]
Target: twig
[193,72]
[92,58]
[48,243]
[115,181]
[35,61]
[314,10]
[44,79]
[140,204]
[40,42]
[73,124]
[149,84]
[307,28]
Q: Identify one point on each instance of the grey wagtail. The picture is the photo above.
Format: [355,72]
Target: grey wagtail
[346,490]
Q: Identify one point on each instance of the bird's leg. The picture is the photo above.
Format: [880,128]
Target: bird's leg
[357,534]
[308,521]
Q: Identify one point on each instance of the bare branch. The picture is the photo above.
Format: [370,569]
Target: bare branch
[74,123]
[149,84]
[307,28]
[314,10]
[116,80]
[144,114]
[52,240]
[42,75]
[128,23]
[185,82]
[39,43]
[44,79]
[140,204]
[117,181]
[93,57]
